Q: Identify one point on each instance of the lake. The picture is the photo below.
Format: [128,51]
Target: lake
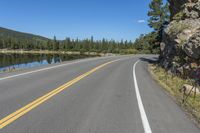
[11,62]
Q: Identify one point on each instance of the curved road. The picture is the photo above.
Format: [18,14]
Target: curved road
[84,96]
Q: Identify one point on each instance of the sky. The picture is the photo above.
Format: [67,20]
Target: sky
[110,19]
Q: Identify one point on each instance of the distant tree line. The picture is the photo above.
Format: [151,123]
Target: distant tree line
[86,45]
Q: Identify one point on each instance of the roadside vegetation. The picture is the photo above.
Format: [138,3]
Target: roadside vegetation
[147,43]
[172,84]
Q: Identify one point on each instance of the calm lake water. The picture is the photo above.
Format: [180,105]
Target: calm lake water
[10,62]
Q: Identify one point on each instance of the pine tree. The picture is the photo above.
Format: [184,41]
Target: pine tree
[159,16]
[55,44]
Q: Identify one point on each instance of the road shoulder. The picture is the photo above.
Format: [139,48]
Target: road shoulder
[191,110]
[164,115]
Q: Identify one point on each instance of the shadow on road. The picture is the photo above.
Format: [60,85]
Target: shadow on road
[150,60]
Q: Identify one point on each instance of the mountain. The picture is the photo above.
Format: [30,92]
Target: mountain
[7,33]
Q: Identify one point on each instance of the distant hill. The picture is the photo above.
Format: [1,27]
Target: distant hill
[7,33]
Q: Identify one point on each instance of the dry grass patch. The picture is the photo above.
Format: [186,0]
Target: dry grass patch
[172,85]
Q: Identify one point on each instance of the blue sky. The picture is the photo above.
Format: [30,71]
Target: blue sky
[111,19]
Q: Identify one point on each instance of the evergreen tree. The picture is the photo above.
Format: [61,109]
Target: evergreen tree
[159,16]
[55,44]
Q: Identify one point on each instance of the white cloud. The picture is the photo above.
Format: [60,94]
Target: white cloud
[141,21]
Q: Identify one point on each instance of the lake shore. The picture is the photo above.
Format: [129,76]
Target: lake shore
[12,60]
[7,51]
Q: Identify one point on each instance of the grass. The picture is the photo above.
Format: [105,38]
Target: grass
[172,86]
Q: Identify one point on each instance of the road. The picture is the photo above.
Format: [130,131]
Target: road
[89,96]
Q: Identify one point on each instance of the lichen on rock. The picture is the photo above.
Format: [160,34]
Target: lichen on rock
[192,47]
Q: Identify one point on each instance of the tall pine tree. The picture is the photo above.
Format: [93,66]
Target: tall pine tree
[159,16]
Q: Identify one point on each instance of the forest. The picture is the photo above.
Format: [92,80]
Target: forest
[13,40]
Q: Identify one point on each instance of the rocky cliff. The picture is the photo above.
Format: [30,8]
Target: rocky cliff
[180,49]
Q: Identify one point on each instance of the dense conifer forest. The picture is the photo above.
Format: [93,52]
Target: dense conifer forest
[14,40]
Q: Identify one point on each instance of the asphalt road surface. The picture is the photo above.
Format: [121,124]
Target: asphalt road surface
[97,95]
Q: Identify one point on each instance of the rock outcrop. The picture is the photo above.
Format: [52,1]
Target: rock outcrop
[181,39]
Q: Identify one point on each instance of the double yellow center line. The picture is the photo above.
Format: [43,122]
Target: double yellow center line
[22,111]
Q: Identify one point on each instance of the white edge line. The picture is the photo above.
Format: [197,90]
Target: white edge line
[43,69]
[143,115]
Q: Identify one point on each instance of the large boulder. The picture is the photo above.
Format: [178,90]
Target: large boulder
[181,38]
[177,38]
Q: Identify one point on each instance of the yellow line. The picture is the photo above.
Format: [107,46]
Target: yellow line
[22,111]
